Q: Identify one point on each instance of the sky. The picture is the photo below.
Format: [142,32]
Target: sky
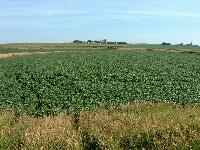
[134,21]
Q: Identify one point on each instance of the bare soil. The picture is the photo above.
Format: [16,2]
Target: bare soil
[3,56]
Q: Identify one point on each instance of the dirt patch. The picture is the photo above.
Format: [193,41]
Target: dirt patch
[3,56]
[131,49]
[66,51]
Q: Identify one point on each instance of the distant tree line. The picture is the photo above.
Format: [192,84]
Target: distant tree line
[104,41]
[181,44]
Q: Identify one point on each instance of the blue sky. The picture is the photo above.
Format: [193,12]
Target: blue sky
[136,21]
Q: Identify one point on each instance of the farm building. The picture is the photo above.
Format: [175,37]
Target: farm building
[121,43]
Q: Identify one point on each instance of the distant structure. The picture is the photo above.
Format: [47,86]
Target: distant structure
[121,43]
[89,41]
[78,42]
[164,43]
[112,43]
[181,44]
[104,41]
[189,44]
[97,42]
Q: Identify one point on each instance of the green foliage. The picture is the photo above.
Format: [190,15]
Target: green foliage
[195,145]
[42,85]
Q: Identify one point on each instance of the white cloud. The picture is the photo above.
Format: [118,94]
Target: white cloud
[73,19]
[93,14]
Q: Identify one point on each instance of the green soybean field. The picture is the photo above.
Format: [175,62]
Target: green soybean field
[43,85]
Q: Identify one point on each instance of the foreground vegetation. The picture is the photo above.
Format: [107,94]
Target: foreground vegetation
[90,98]
[138,126]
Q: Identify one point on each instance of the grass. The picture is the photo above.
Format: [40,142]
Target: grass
[37,133]
[141,125]
[50,47]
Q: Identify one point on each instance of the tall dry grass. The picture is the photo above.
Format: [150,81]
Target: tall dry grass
[141,125]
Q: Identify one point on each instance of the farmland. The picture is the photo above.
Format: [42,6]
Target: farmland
[101,80]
